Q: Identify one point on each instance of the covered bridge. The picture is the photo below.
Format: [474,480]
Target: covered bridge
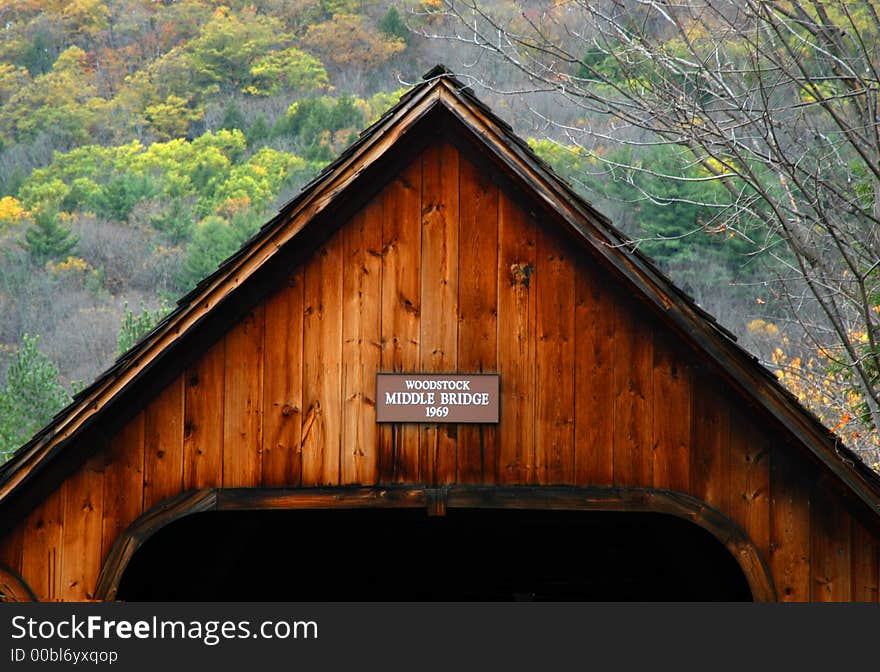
[632,450]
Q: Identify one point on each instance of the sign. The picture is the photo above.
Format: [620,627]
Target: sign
[437,397]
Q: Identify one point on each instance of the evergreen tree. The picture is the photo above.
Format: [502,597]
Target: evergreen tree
[48,239]
[31,396]
[259,131]
[232,117]
[392,25]
[135,326]
[213,241]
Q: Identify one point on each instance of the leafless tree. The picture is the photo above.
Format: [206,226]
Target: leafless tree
[776,100]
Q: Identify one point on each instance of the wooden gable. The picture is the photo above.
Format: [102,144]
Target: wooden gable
[441,261]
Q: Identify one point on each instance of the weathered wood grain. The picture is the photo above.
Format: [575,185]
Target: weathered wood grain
[750,479]
[322,366]
[594,377]
[202,427]
[672,415]
[477,319]
[633,391]
[438,337]
[123,482]
[830,548]
[554,359]
[11,549]
[517,239]
[243,402]
[282,385]
[163,445]
[401,311]
[865,564]
[790,485]
[81,532]
[710,443]
[361,344]
[43,548]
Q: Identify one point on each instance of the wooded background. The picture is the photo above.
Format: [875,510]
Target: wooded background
[142,142]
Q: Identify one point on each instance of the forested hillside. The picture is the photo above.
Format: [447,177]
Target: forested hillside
[142,141]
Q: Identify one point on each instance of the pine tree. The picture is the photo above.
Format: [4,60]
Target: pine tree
[232,117]
[392,25]
[31,396]
[48,239]
[259,131]
[135,326]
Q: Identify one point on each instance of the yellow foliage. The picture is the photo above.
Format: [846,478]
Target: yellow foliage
[832,398]
[74,271]
[232,206]
[763,328]
[71,265]
[11,212]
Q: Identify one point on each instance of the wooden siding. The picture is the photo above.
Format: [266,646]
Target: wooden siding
[443,270]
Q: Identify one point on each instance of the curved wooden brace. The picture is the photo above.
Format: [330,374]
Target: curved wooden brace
[13,588]
[437,501]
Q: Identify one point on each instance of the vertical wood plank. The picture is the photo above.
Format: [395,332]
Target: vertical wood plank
[401,275]
[633,366]
[163,445]
[750,480]
[202,431]
[672,421]
[554,358]
[865,565]
[282,385]
[477,305]
[242,401]
[11,548]
[123,482]
[710,444]
[830,547]
[790,485]
[361,343]
[517,239]
[42,550]
[594,378]
[81,534]
[439,286]
[322,365]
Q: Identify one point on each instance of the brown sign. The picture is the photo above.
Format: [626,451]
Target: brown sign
[437,397]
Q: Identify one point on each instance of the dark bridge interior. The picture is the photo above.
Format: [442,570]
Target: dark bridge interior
[402,555]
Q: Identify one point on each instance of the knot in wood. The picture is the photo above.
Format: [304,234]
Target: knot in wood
[521,274]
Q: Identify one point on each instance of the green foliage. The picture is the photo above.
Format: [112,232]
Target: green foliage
[256,182]
[40,52]
[259,131]
[674,220]
[172,118]
[215,239]
[63,103]
[47,239]
[185,180]
[174,219]
[229,46]
[11,80]
[315,124]
[120,194]
[137,325]
[287,69]
[392,25]
[347,41]
[233,119]
[102,114]
[31,396]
